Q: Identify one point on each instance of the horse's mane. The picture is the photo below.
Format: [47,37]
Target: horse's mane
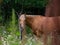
[39,16]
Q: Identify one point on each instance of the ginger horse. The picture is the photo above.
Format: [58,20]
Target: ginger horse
[41,25]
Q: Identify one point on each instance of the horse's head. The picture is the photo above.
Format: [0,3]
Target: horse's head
[22,20]
[22,24]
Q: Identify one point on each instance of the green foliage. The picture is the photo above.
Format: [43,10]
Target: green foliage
[1,19]
[1,42]
[12,40]
[34,3]
[13,27]
[29,3]
[28,30]
[7,5]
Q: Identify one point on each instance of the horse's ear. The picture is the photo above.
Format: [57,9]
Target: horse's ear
[18,14]
[22,17]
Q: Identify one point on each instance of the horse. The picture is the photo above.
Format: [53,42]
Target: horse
[41,25]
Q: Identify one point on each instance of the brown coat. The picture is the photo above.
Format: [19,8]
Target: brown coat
[42,25]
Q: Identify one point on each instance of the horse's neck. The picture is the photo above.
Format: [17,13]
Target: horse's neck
[29,20]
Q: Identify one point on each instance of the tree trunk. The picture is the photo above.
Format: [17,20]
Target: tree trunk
[53,8]
[56,34]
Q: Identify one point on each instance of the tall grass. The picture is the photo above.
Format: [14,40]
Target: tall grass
[9,33]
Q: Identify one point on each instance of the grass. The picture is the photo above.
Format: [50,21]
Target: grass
[11,40]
